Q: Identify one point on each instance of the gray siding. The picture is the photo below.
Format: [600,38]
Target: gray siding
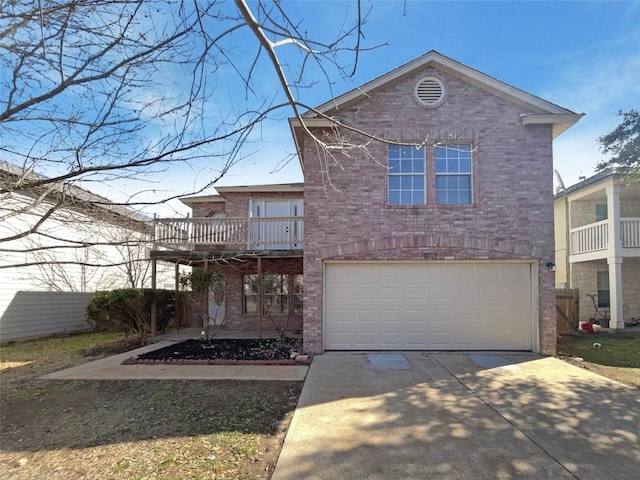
[34,314]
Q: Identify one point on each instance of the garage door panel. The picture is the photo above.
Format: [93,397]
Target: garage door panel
[390,338]
[365,292]
[515,271]
[389,293]
[391,306]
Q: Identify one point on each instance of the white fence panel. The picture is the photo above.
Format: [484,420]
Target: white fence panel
[34,314]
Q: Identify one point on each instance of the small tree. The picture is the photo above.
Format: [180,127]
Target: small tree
[274,284]
[623,144]
[197,285]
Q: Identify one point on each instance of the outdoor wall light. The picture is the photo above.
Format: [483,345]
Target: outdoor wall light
[551,266]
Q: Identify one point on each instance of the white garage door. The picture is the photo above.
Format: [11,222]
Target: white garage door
[428,306]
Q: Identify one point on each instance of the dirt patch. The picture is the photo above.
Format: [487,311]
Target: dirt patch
[224,351]
[112,348]
[148,429]
[628,376]
[145,429]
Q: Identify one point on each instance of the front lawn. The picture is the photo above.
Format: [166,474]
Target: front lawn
[144,429]
[618,356]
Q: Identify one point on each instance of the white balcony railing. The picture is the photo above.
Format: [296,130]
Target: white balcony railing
[254,233]
[590,238]
[630,232]
[595,236]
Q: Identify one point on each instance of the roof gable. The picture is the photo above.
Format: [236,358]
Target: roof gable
[541,111]
[439,61]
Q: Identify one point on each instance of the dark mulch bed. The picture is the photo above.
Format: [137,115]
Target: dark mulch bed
[265,351]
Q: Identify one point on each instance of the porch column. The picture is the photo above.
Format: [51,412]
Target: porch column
[615,292]
[614,244]
[614,258]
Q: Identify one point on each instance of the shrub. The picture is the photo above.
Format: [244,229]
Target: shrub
[128,310]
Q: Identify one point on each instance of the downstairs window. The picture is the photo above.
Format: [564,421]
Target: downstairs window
[282,294]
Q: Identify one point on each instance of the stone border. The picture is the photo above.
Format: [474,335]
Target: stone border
[299,360]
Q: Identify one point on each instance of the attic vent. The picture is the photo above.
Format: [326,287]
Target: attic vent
[429,92]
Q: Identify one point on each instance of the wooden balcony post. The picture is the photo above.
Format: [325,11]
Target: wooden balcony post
[153,233]
[154,301]
[260,300]
[176,293]
[205,320]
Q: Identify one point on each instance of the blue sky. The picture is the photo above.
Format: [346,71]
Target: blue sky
[584,56]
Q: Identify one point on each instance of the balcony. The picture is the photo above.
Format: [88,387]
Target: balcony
[594,238]
[230,233]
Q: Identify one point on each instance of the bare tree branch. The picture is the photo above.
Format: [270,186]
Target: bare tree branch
[108,92]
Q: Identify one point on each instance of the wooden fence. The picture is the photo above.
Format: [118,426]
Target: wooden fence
[567,310]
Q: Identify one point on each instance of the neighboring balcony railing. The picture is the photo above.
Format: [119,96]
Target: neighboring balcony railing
[252,233]
[630,232]
[595,236]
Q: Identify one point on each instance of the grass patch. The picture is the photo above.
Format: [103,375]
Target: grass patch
[618,358]
[23,361]
[619,349]
[26,349]
[143,429]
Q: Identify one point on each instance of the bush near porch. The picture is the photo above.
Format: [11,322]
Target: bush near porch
[128,310]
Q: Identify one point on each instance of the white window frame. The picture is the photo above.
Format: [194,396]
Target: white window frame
[290,293]
[452,147]
[406,153]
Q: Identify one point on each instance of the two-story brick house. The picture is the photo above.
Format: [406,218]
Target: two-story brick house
[430,230]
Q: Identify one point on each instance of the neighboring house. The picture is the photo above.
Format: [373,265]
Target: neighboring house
[597,225]
[74,247]
[432,233]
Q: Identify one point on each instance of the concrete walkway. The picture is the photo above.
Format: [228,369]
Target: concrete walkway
[460,416]
[111,368]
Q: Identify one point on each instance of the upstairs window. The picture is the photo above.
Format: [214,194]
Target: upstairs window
[601,212]
[406,175]
[453,174]
[412,171]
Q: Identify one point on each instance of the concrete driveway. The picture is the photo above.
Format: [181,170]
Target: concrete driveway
[460,416]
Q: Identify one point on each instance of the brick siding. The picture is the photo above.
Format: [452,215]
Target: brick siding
[512,212]
[236,319]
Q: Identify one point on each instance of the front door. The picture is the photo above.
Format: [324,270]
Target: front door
[274,228]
